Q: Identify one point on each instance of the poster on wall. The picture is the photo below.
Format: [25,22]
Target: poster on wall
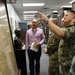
[23,26]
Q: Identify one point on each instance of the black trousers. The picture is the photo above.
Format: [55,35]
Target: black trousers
[21,61]
[34,61]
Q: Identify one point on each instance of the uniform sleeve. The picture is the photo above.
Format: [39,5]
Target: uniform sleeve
[52,45]
[69,32]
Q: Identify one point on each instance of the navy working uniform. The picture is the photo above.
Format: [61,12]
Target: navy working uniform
[52,51]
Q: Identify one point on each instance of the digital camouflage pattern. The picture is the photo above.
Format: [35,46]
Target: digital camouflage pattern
[66,49]
[52,44]
[52,51]
[72,68]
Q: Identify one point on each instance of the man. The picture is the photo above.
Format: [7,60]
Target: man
[35,36]
[52,51]
[72,67]
[67,42]
[62,22]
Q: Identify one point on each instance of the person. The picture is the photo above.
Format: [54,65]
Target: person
[29,26]
[62,22]
[17,46]
[67,35]
[35,36]
[72,67]
[17,42]
[52,51]
[19,52]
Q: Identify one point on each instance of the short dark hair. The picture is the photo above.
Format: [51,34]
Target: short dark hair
[72,11]
[17,32]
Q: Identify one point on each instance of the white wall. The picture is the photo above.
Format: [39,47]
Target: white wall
[29,22]
[12,12]
[13,18]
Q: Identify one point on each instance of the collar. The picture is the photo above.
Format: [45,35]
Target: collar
[34,29]
[71,25]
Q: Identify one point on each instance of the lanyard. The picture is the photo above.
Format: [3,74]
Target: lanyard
[34,32]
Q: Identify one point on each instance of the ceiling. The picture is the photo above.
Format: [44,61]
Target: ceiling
[49,7]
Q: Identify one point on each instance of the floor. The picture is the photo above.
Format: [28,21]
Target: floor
[43,63]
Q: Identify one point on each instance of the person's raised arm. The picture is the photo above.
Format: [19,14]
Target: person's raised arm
[57,30]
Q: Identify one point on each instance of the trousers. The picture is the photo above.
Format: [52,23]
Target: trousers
[34,61]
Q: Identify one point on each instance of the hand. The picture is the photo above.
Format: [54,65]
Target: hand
[45,50]
[42,16]
[38,45]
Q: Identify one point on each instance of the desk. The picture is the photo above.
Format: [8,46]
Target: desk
[21,61]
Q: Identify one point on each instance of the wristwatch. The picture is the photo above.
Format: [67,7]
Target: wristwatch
[47,21]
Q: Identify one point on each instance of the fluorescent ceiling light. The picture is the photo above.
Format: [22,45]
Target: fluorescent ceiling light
[30,11]
[33,4]
[55,11]
[2,8]
[27,19]
[70,6]
[2,16]
[71,1]
[29,15]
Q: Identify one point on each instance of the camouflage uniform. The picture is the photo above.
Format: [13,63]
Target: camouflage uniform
[72,68]
[66,49]
[52,51]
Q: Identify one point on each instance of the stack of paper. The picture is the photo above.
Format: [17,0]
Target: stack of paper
[33,47]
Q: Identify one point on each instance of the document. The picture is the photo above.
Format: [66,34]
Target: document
[23,47]
[33,47]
